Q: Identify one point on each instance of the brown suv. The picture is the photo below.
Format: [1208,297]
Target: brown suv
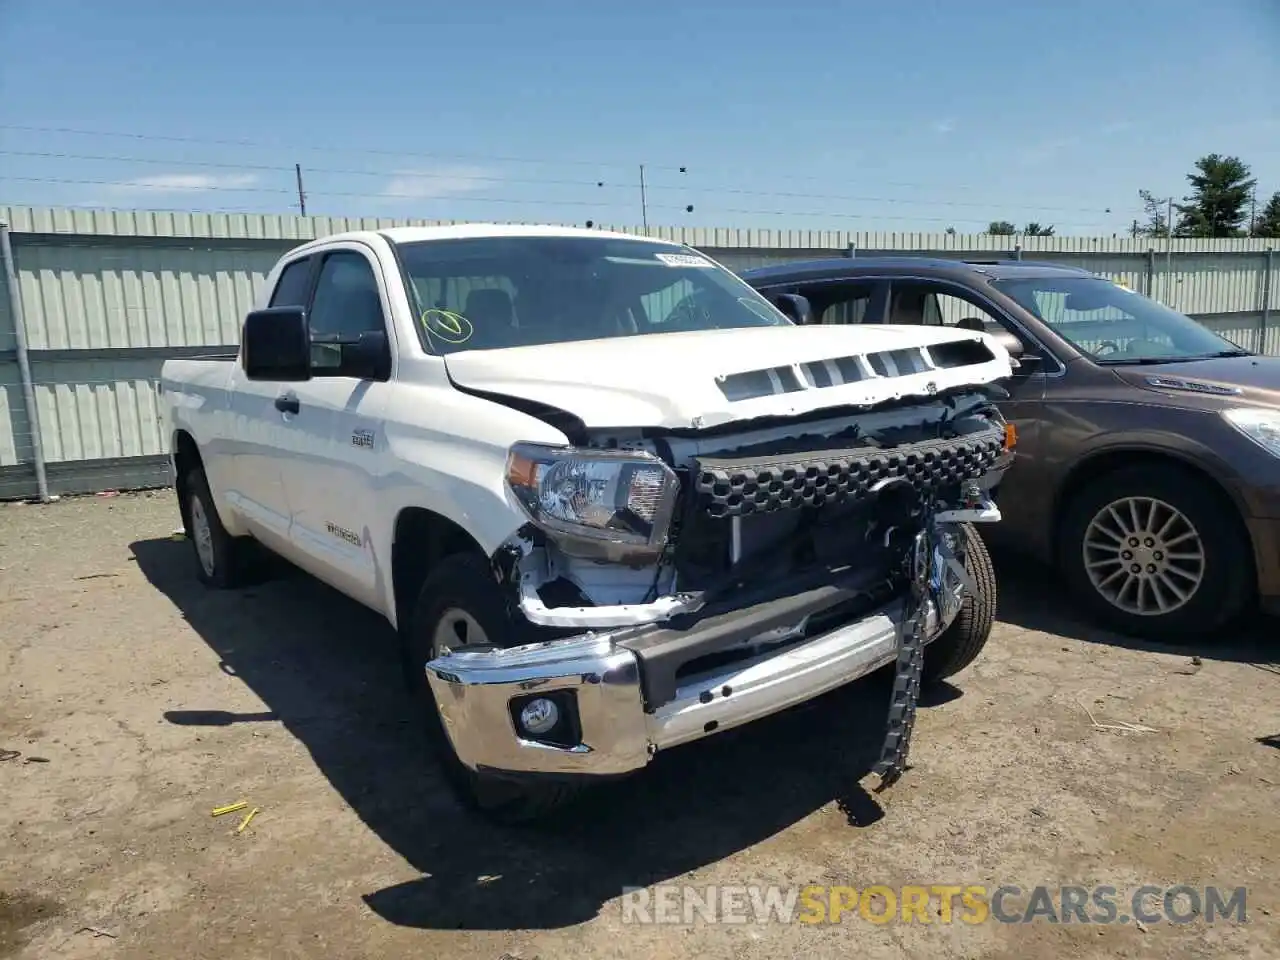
[1148,448]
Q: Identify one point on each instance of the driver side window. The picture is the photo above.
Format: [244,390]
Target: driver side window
[921,303]
[933,304]
[346,303]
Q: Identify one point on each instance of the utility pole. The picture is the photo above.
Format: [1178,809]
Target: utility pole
[1253,208]
[302,196]
[1168,256]
[644,204]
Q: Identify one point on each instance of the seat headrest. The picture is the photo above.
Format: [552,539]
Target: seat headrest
[488,306]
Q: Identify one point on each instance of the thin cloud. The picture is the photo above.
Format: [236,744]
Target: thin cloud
[1118,126]
[435,183]
[944,127]
[186,183]
[1046,150]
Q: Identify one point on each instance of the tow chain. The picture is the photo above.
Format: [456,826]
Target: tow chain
[910,663]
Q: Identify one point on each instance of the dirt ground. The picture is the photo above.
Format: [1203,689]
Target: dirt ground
[138,701]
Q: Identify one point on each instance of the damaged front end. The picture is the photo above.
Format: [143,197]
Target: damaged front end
[690,581]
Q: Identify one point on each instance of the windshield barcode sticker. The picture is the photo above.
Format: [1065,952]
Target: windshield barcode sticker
[683,260]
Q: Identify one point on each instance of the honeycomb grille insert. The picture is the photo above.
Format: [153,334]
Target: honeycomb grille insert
[734,488]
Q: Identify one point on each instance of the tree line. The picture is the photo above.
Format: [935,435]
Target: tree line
[1223,202]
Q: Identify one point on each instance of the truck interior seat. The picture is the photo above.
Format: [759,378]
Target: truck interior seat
[491,314]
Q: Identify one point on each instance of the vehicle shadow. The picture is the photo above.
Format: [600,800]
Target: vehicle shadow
[327,669]
[1033,597]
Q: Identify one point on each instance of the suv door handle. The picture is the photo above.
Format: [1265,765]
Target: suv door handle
[287,404]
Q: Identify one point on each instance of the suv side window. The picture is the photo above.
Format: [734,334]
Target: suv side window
[291,288]
[937,304]
[914,302]
[842,303]
[346,304]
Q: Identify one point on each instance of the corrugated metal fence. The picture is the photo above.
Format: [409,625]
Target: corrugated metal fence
[107,296]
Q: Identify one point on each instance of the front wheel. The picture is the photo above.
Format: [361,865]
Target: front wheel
[461,605]
[1156,553]
[959,645]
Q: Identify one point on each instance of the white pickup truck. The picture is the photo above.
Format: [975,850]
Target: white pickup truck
[611,498]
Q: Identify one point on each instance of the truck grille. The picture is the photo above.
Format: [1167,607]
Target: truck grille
[731,487]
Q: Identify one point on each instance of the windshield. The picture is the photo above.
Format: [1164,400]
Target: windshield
[491,292]
[1113,324]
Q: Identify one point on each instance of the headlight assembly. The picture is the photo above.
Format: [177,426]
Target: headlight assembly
[1259,424]
[606,504]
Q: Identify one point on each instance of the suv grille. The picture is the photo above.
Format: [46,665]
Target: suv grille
[727,487]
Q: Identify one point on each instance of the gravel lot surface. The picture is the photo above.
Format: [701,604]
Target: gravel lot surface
[137,702]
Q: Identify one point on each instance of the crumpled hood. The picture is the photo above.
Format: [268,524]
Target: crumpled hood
[704,379]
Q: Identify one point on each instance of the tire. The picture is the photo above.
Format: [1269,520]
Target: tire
[221,559]
[962,641]
[1225,568]
[463,582]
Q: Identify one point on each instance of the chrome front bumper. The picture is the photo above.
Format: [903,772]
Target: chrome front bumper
[618,734]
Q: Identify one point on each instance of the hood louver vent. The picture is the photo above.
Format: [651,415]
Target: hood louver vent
[1193,386]
[836,371]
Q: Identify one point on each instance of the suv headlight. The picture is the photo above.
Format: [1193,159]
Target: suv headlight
[1259,424]
[604,504]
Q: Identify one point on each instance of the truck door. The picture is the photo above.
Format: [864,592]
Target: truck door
[332,487]
[262,435]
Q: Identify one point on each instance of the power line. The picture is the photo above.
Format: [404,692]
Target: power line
[142,183]
[468,198]
[283,168]
[259,145]
[490,158]
[482,178]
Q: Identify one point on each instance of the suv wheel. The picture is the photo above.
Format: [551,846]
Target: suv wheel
[1156,553]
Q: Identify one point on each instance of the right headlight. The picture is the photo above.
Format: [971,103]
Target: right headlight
[1259,424]
[604,504]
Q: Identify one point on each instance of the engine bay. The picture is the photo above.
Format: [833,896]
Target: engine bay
[765,505]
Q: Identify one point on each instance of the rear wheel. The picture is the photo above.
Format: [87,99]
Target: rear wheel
[461,605]
[221,559]
[1156,553]
[959,645]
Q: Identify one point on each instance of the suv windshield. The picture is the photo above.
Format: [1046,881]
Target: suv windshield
[1115,325]
[490,292]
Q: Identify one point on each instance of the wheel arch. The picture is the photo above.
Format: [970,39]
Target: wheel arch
[421,538]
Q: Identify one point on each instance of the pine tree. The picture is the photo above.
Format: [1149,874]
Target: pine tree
[1219,203]
[1267,223]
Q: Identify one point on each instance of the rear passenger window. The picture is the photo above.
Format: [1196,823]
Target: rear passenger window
[291,288]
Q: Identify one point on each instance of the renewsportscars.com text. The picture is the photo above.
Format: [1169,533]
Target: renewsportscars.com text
[931,904]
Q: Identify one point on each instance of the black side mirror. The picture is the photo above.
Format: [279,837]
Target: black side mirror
[275,345]
[369,358]
[796,307]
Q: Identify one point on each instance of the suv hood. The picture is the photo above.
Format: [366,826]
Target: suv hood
[1251,379]
[695,380]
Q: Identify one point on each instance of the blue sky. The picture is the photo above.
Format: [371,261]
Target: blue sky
[804,114]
